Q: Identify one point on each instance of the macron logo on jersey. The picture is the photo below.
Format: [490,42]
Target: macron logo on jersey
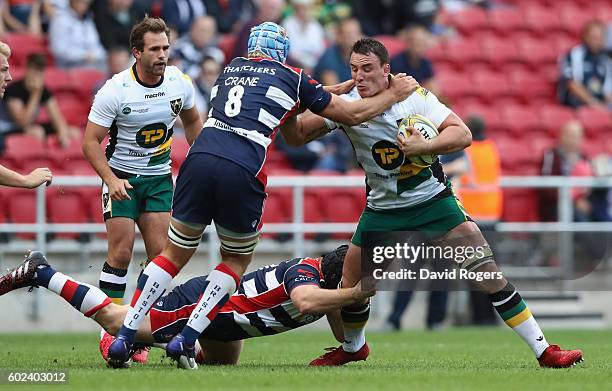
[156,95]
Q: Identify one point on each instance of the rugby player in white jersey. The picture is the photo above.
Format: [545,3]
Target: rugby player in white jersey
[406,197]
[138,109]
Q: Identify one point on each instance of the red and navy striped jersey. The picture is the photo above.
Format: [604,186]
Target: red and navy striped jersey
[251,99]
[260,306]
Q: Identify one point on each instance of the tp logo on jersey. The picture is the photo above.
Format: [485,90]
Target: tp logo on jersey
[387,155]
[152,136]
[176,106]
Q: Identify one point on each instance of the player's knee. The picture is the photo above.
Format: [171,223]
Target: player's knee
[120,257]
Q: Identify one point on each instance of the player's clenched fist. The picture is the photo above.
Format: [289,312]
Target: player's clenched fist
[402,86]
[414,145]
[38,177]
[118,189]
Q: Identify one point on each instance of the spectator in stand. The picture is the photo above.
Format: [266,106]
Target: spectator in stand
[24,16]
[201,42]
[333,66]
[230,14]
[331,152]
[210,69]
[413,61]
[73,38]
[566,159]
[390,16]
[304,53]
[24,99]
[114,20]
[586,71]
[181,14]
[267,11]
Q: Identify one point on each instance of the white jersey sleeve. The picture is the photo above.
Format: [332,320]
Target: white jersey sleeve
[106,105]
[189,91]
[428,105]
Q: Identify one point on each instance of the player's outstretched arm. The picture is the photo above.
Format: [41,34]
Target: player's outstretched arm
[312,299]
[34,179]
[454,136]
[302,129]
[353,113]
[192,122]
[94,134]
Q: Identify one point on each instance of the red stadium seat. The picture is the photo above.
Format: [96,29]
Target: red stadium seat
[572,18]
[86,80]
[541,20]
[22,210]
[227,43]
[456,86]
[74,109]
[554,117]
[471,20]
[506,21]
[393,44]
[500,52]
[529,87]
[343,206]
[595,121]
[520,205]
[464,52]
[21,148]
[277,208]
[66,206]
[179,150]
[521,120]
[23,45]
[537,52]
[490,86]
[59,80]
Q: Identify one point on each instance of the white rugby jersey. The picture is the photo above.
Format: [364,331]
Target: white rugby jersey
[392,180]
[140,119]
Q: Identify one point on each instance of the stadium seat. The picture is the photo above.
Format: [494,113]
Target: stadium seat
[471,20]
[456,86]
[541,20]
[554,117]
[506,21]
[500,52]
[595,121]
[22,45]
[74,109]
[66,206]
[521,120]
[59,80]
[21,148]
[537,52]
[22,210]
[343,206]
[86,80]
[179,150]
[277,209]
[490,86]
[572,18]
[520,205]
[393,44]
[227,42]
[529,88]
[464,52]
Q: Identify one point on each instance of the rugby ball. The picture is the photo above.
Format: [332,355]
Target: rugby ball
[427,129]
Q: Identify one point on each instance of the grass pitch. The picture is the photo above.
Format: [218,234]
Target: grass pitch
[460,359]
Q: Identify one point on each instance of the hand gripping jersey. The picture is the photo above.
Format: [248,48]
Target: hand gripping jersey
[140,119]
[393,181]
[260,306]
[249,102]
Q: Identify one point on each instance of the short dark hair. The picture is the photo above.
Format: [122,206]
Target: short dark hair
[147,25]
[366,46]
[36,61]
[331,266]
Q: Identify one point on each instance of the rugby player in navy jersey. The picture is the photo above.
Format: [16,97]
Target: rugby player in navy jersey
[268,301]
[223,177]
